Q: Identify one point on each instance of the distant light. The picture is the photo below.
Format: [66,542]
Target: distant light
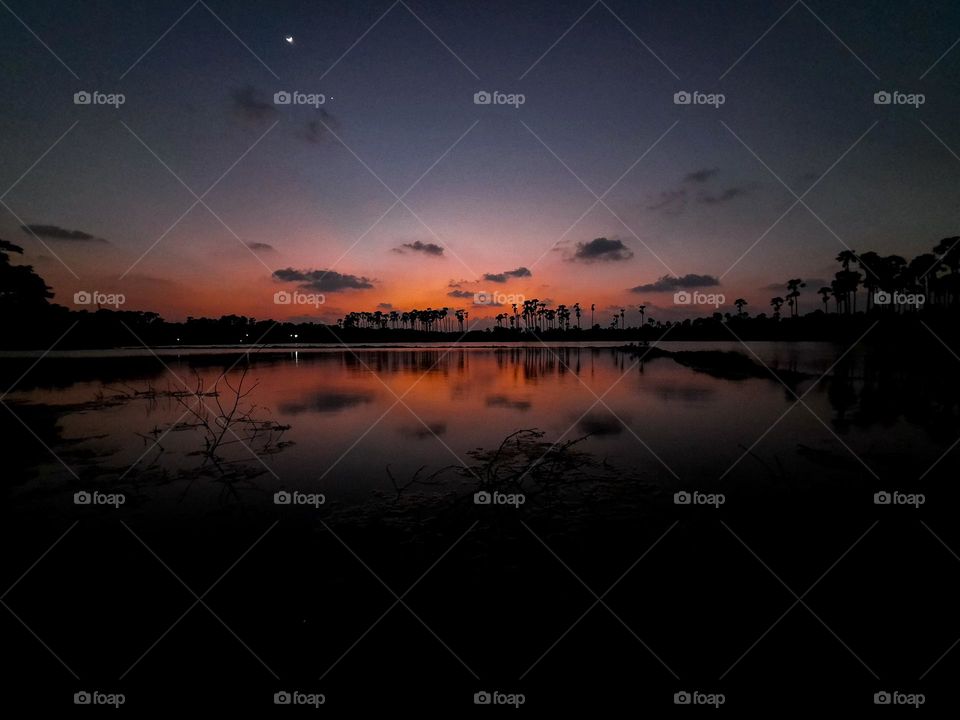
[289,39]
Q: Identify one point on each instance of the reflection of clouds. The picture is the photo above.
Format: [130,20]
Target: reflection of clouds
[601,424]
[419,432]
[681,393]
[504,401]
[326,402]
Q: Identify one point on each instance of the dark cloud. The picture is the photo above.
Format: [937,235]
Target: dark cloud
[507,274]
[674,201]
[248,105]
[261,247]
[700,176]
[602,249]
[55,232]
[460,294]
[421,247]
[669,283]
[384,306]
[670,201]
[317,132]
[322,280]
[725,196]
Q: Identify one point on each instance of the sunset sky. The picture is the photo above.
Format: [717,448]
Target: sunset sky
[499,189]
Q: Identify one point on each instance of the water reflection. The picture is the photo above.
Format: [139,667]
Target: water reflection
[326,402]
[110,418]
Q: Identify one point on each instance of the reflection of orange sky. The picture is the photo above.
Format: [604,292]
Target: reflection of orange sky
[345,425]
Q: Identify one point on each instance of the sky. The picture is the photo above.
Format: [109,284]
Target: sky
[201,195]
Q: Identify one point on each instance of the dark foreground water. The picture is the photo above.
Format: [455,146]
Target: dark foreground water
[183,582]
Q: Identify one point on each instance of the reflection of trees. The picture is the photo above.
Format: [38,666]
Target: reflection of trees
[881,388]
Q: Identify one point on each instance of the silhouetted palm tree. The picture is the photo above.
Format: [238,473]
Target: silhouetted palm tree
[776,303]
[825,297]
[793,296]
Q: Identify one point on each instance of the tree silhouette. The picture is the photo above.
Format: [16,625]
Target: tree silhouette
[776,303]
[793,296]
[23,293]
[825,297]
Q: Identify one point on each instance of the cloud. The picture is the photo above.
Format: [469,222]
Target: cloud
[670,201]
[322,280]
[669,283]
[602,249]
[421,247]
[315,131]
[55,232]
[384,306]
[674,200]
[248,105]
[460,294]
[725,196]
[261,247]
[506,275]
[700,176]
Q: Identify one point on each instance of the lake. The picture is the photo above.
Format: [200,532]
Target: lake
[397,441]
[338,418]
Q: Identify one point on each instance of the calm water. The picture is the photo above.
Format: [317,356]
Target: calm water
[353,413]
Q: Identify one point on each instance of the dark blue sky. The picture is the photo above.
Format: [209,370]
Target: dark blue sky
[510,189]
